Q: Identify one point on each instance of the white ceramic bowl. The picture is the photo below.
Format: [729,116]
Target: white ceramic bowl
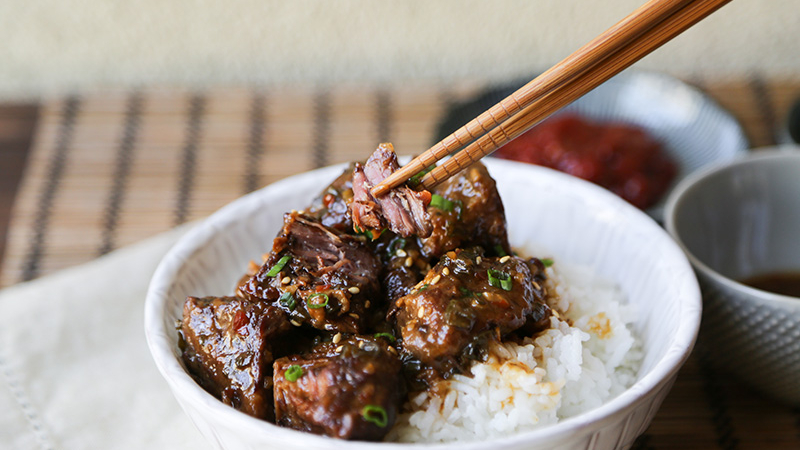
[577,221]
[735,221]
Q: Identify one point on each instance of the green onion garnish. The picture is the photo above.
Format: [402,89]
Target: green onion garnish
[460,208]
[293,373]
[317,305]
[499,279]
[371,234]
[362,231]
[375,414]
[287,300]
[499,250]
[396,244]
[413,181]
[437,201]
[276,269]
[547,262]
[388,336]
[424,287]
[466,292]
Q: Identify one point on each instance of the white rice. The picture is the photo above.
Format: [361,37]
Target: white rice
[563,371]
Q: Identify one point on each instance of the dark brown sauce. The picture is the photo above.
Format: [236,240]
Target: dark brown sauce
[785,283]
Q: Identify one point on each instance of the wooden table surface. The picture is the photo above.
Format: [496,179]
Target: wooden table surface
[83,175]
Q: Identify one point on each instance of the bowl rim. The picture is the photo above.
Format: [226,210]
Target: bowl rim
[650,384]
[692,182]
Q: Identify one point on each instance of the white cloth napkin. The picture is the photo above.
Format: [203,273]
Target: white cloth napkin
[75,371]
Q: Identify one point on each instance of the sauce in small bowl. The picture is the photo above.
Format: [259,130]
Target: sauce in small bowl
[784,283]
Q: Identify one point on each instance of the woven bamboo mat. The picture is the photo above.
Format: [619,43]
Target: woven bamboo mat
[110,168]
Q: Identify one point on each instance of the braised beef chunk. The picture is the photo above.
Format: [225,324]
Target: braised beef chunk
[318,276]
[350,389]
[464,301]
[332,207]
[403,264]
[402,209]
[228,349]
[467,211]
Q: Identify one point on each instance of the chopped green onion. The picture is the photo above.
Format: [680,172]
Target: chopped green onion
[437,201]
[396,244]
[547,262]
[500,279]
[413,181]
[375,414]
[287,300]
[499,250]
[460,208]
[466,292]
[317,305]
[424,287]
[362,231]
[371,234]
[276,269]
[293,373]
[388,336]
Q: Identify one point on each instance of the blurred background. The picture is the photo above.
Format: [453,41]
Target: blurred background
[51,46]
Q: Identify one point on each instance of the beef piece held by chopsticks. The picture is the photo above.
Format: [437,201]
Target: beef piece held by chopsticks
[402,209]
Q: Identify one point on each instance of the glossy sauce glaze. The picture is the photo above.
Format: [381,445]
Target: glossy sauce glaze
[622,158]
[784,283]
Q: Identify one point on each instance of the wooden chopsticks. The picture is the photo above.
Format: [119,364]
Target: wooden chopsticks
[635,36]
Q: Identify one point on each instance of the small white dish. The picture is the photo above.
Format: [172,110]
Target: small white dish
[693,129]
[578,221]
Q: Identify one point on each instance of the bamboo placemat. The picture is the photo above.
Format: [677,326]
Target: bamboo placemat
[110,168]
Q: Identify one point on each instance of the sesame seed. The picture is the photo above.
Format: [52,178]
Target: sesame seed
[401,253]
[367,304]
[354,290]
[286,280]
[486,294]
[478,260]
[435,279]
[336,338]
[360,344]
[295,323]
[353,315]
[505,258]
[408,262]
[339,349]
[536,285]
[392,349]
[420,313]
[445,271]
